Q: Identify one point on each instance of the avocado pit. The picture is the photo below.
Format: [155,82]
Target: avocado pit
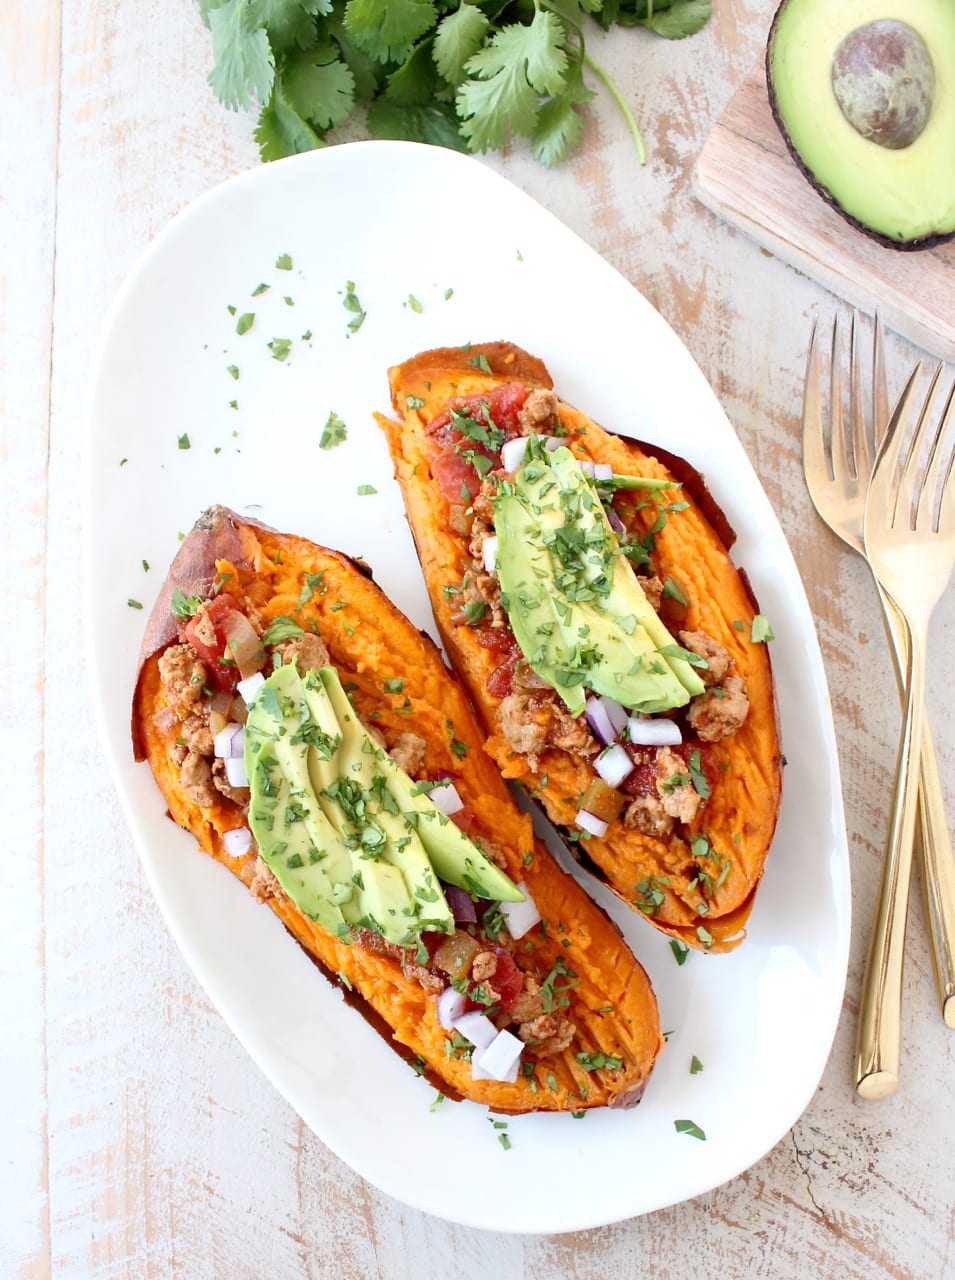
[884,82]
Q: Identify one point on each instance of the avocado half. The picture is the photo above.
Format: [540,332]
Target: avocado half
[863,92]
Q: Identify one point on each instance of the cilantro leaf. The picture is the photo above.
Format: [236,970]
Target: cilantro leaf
[507,78]
[416,81]
[682,18]
[437,123]
[319,86]
[558,130]
[289,24]
[387,29]
[458,38]
[281,131]
[243,62]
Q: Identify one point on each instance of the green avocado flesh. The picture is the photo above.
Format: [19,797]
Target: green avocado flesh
[352,840]
[863,92]
[575,605]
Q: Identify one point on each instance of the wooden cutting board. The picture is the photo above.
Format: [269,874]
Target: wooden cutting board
[745,174]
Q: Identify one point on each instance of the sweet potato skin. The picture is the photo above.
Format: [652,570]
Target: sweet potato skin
[370,641]
[740,816]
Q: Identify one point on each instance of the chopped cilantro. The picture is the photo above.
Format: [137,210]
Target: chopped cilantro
[184,442]
[334,432]
[688,1127]
[351,303]
[245,322]
[365,489]
[184,606]
[283,262]
[280,348]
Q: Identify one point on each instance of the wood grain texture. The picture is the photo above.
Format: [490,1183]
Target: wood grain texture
[138,1138]
[745,173]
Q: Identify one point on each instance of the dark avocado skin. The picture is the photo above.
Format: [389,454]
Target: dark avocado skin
[873,233]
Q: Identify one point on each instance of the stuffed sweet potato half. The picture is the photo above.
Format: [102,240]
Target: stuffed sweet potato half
[583,588]
[314,742]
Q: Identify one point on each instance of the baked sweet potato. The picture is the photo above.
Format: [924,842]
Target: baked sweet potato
[679,831]
[242,601]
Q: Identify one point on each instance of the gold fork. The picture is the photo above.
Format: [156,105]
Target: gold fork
[909,535]
[837,467]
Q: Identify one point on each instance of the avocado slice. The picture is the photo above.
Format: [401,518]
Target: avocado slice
[342,827]
[575,605]
[863,92]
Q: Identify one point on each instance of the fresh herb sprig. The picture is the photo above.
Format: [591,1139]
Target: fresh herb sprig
[466,74]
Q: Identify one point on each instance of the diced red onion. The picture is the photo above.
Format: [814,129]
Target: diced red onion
[658,732]
[513,452]
[444,796]
[599,720]
[476,1027]
[520,916]
[553,442]
[615,522]
[461,904]
[489,551]
[247,689]
[590,822]
[229,741]
[618,715]
[237,841]
[235,772]
[586,466]
[501,1059]
[602,471]
[451,1005]
[614,764]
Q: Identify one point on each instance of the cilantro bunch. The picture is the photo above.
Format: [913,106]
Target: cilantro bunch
[459,73]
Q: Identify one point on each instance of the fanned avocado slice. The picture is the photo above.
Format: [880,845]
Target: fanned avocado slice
[345,831]
[575,605]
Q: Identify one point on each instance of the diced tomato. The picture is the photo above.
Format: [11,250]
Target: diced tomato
[507,980]
[465,819]
[500,639]
[456,475]
[642,781]
[222,673]
[454,472]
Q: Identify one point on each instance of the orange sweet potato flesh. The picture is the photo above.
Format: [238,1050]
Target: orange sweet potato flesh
[609,998]
[657,875]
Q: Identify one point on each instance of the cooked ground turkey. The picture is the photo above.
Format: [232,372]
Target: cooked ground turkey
[719,663]
[409,753]
[308,651]
[538,415]
[719,712]
[195,778]
[674,799]
[534,719]
[183,678]
[264,884]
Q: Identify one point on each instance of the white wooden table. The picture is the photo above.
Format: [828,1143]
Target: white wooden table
[136,1137]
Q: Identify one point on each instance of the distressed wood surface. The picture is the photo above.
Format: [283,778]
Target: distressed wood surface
[136,1137]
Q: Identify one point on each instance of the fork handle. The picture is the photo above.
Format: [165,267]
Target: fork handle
[934,840]
[878,1039]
